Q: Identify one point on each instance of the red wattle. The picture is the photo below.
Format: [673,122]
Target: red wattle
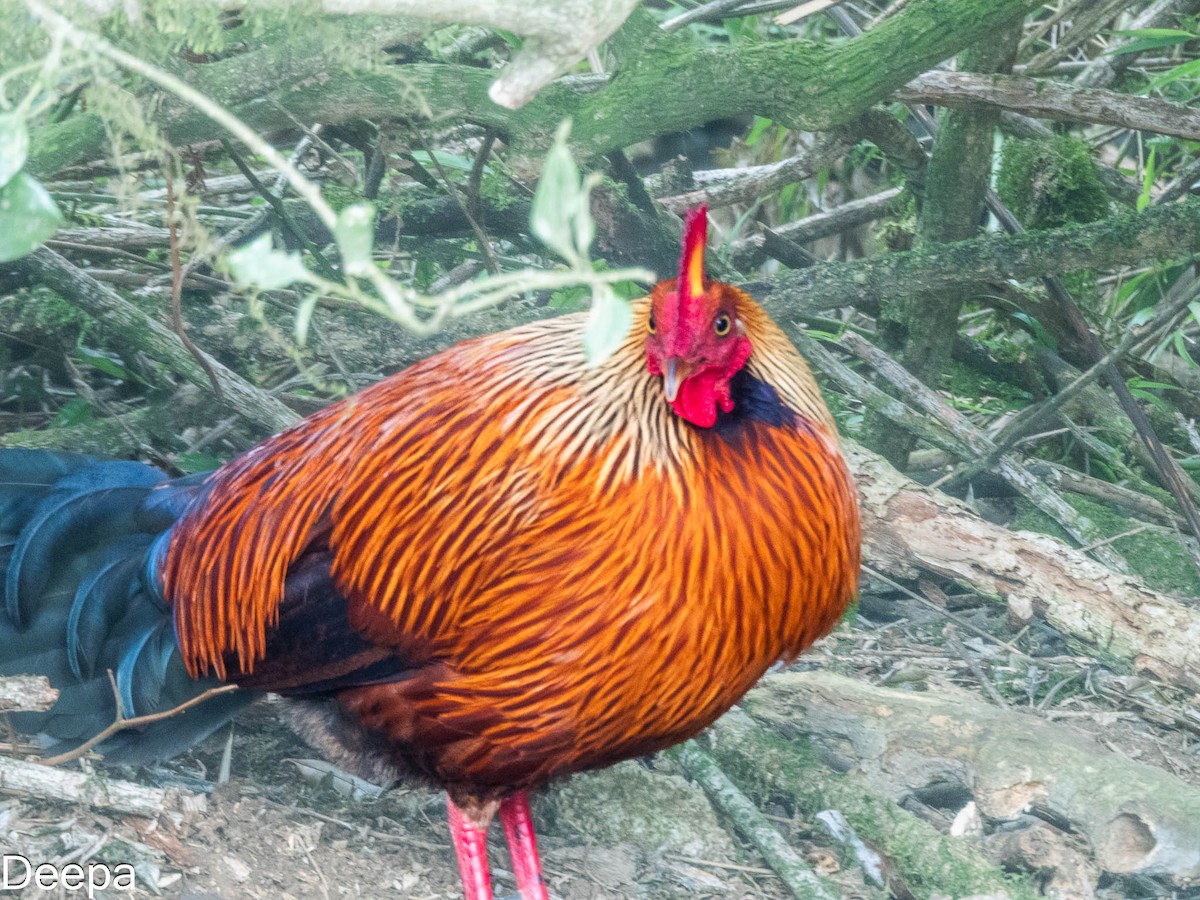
[700,395]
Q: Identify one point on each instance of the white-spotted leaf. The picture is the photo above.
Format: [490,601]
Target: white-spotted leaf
[261,265]
[557,197]
[608,323]
[355,235]
[28,217]
[14,146]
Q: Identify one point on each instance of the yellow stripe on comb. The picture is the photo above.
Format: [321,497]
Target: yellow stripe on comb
[695,271]
[695,234]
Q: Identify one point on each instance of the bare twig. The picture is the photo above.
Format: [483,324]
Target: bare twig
[77,287]
[700,13]
[1030,418]
[750,183]
[1173,477]
[794,871]
[1075,524]
[1103,70]
[177,274]
[852,214]
[88,788]
[485,243]
[120,723]
[1087,18]
[474,201]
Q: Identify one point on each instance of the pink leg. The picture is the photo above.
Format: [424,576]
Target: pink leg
[522,846]
[470,843]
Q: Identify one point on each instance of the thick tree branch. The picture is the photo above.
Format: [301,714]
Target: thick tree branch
[780,80]
[1046,99]
[1167,232]
[137,331]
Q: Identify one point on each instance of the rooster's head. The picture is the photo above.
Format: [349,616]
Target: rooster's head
[696,340]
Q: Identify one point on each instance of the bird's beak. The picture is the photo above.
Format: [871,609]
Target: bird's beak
[675,373]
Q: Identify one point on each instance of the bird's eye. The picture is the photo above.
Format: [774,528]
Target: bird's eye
[721,325]
[650,324]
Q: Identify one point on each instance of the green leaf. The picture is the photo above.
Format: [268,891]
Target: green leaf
[557,197]
[304,317]
[1148,177]
[1187,70]
[261,265]
[355,235]
[108,363]
[197,462]
[608,323]
[14,146]
[1151,39]
[28,217]
[583,229]
[75,411]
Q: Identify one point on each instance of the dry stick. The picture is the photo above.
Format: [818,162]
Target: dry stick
[120,723]
[1103,70]
[742,185]
[87,788]
[275,202]
[1182,184]
[767,763]
[476,178]
[1010,469]
[1031,418]
[1085,23]
[1064,478]
[947,429]
[942,611]
[1169,470]
[1044,99]
[875,399]
[485,244]
[748,252]
[795,872]
[1174,477]
[715,8]
[99,301]
[177,274]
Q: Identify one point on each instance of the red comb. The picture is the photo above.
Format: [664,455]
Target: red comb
[691,265]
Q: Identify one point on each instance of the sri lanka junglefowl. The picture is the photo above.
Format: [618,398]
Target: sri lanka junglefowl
[490,570]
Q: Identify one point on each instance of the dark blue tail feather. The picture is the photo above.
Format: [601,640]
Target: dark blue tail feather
[79,543]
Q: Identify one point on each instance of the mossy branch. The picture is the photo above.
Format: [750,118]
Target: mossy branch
[1128,238]
[794,82]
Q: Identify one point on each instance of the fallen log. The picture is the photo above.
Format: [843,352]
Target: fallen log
[92,789]
[26,693]
[908,529]
[917,860]
[1136,818]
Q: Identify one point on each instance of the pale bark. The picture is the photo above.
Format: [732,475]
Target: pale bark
[26,693]
[908,529]
[92,789]
[1137,818]
[1045,99]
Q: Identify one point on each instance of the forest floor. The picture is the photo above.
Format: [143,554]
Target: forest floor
[640,830]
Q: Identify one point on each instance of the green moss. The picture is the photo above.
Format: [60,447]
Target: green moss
[496,188]
[1154,554]
[767,766]
[963,381]
[1051,183]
